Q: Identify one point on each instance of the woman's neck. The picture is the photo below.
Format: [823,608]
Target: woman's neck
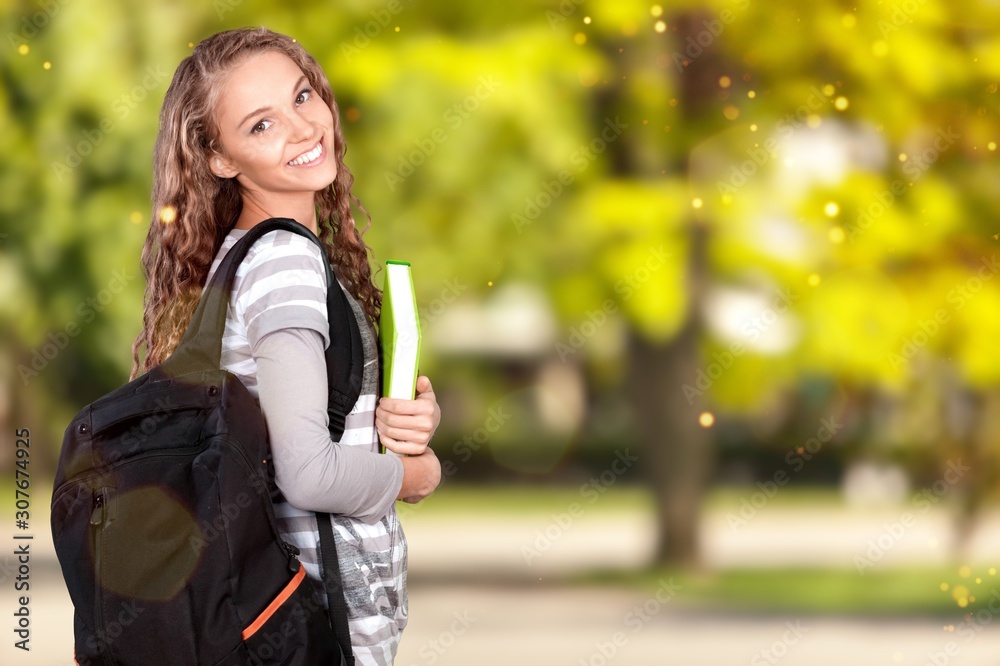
[298,208]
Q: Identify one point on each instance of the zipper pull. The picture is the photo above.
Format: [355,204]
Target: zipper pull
[293,552]
[97,516]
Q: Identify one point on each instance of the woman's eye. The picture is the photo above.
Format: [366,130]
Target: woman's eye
[303,96]
[260,127]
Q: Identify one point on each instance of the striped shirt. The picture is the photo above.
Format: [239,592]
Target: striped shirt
[282,284]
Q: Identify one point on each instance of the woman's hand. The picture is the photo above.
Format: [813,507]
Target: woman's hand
[406,426]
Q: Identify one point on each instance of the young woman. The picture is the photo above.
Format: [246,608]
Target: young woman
[249,130]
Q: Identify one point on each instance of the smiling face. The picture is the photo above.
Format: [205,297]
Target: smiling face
[276,134]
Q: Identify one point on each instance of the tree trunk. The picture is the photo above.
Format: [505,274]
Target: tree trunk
[678,451]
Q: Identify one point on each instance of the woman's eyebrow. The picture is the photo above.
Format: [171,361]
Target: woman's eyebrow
[267,108]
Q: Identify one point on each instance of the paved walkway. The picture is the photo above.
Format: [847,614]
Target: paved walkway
[487,626]
[476,599]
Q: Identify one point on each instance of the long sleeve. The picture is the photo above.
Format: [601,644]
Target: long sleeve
[311,470]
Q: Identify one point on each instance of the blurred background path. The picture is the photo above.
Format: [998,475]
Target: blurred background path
[474,599]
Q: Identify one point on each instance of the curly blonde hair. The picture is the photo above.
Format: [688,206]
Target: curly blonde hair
[193,209]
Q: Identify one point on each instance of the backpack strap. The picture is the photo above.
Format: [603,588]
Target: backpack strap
[345,351]
[329,567]
[201,349]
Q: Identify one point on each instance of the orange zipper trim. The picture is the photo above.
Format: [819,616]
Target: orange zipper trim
[276,604]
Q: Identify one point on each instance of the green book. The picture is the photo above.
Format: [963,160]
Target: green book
[399,332]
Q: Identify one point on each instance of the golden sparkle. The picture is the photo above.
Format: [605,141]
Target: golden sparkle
[168,214]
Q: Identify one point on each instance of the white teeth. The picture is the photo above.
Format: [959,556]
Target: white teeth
[308,157]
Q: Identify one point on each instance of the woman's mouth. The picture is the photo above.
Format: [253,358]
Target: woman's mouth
[310,158]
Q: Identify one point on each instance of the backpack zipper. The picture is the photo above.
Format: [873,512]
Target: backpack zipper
[97,517]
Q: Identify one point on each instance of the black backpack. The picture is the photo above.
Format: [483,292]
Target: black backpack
[162,512]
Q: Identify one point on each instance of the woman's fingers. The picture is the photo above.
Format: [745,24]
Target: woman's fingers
[402,447]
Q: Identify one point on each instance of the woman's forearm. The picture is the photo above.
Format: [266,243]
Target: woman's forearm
[311,470]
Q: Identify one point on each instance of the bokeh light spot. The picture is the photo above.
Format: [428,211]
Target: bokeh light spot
[168,214]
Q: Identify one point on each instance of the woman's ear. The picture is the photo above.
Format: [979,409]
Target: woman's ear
[221,166]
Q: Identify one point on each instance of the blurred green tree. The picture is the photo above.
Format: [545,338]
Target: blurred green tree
[738,195]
